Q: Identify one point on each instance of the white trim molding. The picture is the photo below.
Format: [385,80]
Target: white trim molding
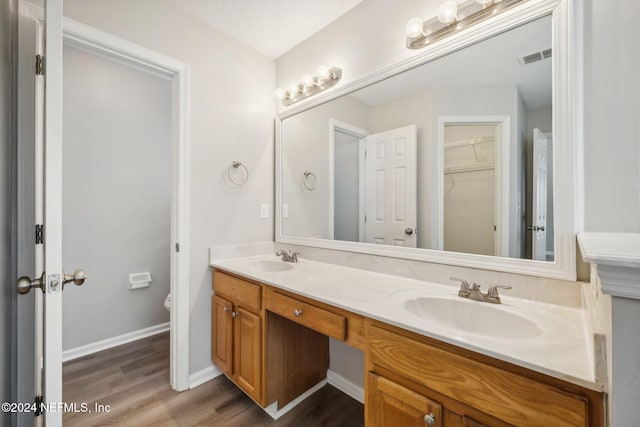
[616,260]
[84,350]
[275,413]
[204,375]
[347,387]
[96,41]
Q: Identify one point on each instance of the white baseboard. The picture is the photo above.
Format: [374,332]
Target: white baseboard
[203,375]
[276,413]
[74,353]
[346,386]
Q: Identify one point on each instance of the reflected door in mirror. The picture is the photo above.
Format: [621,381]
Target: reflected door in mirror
[391,187]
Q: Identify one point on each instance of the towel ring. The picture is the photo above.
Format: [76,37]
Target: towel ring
[237,165]
[309,180]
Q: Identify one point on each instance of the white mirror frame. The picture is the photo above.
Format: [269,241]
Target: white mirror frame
[567,156]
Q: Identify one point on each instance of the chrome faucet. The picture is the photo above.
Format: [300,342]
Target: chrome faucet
[473,292]
[288,257]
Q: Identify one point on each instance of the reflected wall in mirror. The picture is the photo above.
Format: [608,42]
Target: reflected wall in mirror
[453,155]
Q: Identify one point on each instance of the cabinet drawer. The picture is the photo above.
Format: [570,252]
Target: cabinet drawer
[505,395]
[241,292]
[316,318]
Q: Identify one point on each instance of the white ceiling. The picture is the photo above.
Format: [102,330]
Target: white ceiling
[492,62]
[272,27]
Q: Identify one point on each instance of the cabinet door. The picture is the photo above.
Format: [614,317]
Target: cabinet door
[393,405]
[247,351]
[469,422]
[222,331]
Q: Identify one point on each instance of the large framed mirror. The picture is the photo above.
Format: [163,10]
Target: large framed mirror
[463,155]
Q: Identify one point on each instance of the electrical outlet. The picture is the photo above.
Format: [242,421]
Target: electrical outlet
[285,210]
[264,210]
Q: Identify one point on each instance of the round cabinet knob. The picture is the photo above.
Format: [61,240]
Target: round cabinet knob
[430,420]
[408,231]
[297,313]
[234,314]
[226,309]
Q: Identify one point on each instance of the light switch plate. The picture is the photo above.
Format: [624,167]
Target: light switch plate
[264,210]
[285,210]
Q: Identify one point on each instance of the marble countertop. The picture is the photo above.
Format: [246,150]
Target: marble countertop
[562,349]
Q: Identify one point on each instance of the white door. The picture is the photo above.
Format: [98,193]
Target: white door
[539,213]
[48,277]
[391,187]
[52,233]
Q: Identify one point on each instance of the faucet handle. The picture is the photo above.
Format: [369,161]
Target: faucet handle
[464,286]
[493,290]
[294,256]
[492,293]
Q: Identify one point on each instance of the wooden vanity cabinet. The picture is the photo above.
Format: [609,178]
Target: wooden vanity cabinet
[411,376]
[268,356]
[236,342]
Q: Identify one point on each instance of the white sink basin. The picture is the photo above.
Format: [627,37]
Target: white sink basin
[268,265]
[473,317]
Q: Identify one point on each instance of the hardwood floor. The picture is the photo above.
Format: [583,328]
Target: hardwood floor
[134,380]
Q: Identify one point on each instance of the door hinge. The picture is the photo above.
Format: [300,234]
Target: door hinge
[177,247]
[39,234]
[38,402]
[39,65]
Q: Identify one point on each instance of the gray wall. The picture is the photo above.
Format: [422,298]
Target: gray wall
[612,117]
[612,171]
[6,120]
[116,196]
[232,108]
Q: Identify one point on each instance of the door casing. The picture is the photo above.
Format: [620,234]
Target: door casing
[80,35]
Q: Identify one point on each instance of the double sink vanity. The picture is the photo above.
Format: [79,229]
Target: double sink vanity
[431,356]
[439,163]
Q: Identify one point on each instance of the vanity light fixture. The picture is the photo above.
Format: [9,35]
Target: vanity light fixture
[311,85]
[453,17]
[448,12]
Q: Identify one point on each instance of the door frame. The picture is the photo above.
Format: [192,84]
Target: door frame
[98,42]
[502,177]
[336,125]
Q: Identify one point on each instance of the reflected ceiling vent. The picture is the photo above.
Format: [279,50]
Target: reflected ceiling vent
[534,57]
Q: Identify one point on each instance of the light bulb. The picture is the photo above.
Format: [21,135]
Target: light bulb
[415,28]
[448,12]
[280,93]
[323,72]
[307,81]
[485,3]
[293,89]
